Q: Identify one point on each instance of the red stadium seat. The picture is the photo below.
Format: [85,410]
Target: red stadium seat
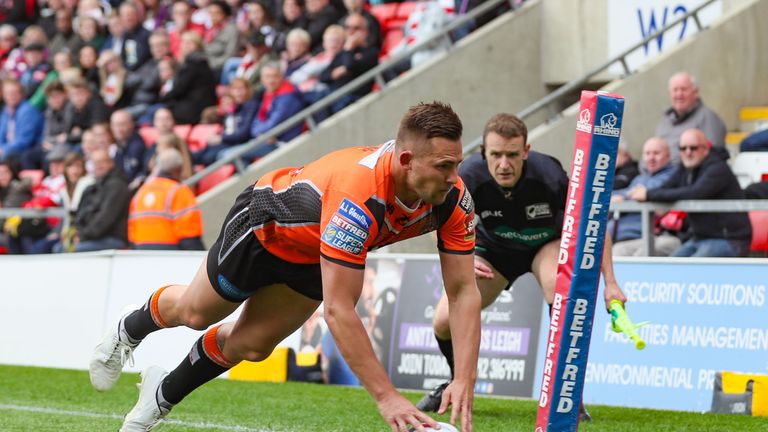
[182,131]
[198,137]
[208,182]
[149,134]
[391,39]
[759,220]
[35,176]
[384,13]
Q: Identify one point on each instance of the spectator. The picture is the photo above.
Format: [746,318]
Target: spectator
[85,110]
[61,62]
[201,14]
[307,77]
[13,193]
[354,60]
[181,13]
[77,181]
[116,34]
[657,169]
[9,39]
[102,217]
[374,27]
[90,32]
[261,20]
[19,13]
[280,102]
[704,175]
[296,53]
[194,86]
[47,19]
[320,15]
[756,142]
[16,64]
[88,60]
[56,117]
[112,75]
[757,190]
[21,124]
[291,17]
[129,147]
[163,214]
[427,19]
[172,141]
[144,84]
[256,56]
[163,121]
[66,40]
[237,123]
[221,38]
[626,167]
[135,39]
[156,13]
[37,68]
[689,112]
[36,235]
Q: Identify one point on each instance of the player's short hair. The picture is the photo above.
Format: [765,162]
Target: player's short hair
[430,120]
[507,126]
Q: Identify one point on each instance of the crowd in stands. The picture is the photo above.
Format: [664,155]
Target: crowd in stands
[92,90]
[685,160]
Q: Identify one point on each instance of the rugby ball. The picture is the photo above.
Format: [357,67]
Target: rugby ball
[444,427]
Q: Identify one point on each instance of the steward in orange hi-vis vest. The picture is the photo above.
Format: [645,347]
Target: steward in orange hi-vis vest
[164,215]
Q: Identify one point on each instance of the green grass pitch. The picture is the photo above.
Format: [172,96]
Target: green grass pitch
[38,399]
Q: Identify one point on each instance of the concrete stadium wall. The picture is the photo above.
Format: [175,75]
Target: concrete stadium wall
[730,61]
[575,38]
[494,69]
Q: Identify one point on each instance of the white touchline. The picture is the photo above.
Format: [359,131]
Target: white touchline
[198,425]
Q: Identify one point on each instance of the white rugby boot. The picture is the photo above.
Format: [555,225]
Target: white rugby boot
[110,356]
[147,413]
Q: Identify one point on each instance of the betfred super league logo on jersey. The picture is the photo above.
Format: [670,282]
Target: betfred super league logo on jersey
[608,126]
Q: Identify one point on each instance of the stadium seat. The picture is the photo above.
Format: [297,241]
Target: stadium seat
[384,13]
[34,175]
[183,131]
[211,180]
[198,137]
[149,135]
[750,167]
[759,220]
[391,39]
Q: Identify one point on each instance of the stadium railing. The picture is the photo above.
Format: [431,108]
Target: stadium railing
[376,75]
[647,209]
[567,89]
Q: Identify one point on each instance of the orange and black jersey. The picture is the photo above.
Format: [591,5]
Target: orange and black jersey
[343,205]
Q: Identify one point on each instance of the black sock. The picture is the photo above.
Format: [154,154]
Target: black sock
[446,347]
[550,310]
[197,368]
[140,322]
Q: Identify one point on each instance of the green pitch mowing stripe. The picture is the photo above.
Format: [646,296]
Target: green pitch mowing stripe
[51,396]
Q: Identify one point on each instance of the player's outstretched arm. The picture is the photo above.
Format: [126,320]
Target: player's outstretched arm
[612,289]
[464,318]
[341,289]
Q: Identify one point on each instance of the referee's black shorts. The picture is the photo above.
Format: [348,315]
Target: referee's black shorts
[238,264]
[511,264]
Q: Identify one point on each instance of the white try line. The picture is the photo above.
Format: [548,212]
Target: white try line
[197,425]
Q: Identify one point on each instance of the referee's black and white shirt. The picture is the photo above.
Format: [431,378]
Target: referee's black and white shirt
[522,218]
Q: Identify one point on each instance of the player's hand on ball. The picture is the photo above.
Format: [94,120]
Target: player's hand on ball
[482,271]
[399,413]
[460,396]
